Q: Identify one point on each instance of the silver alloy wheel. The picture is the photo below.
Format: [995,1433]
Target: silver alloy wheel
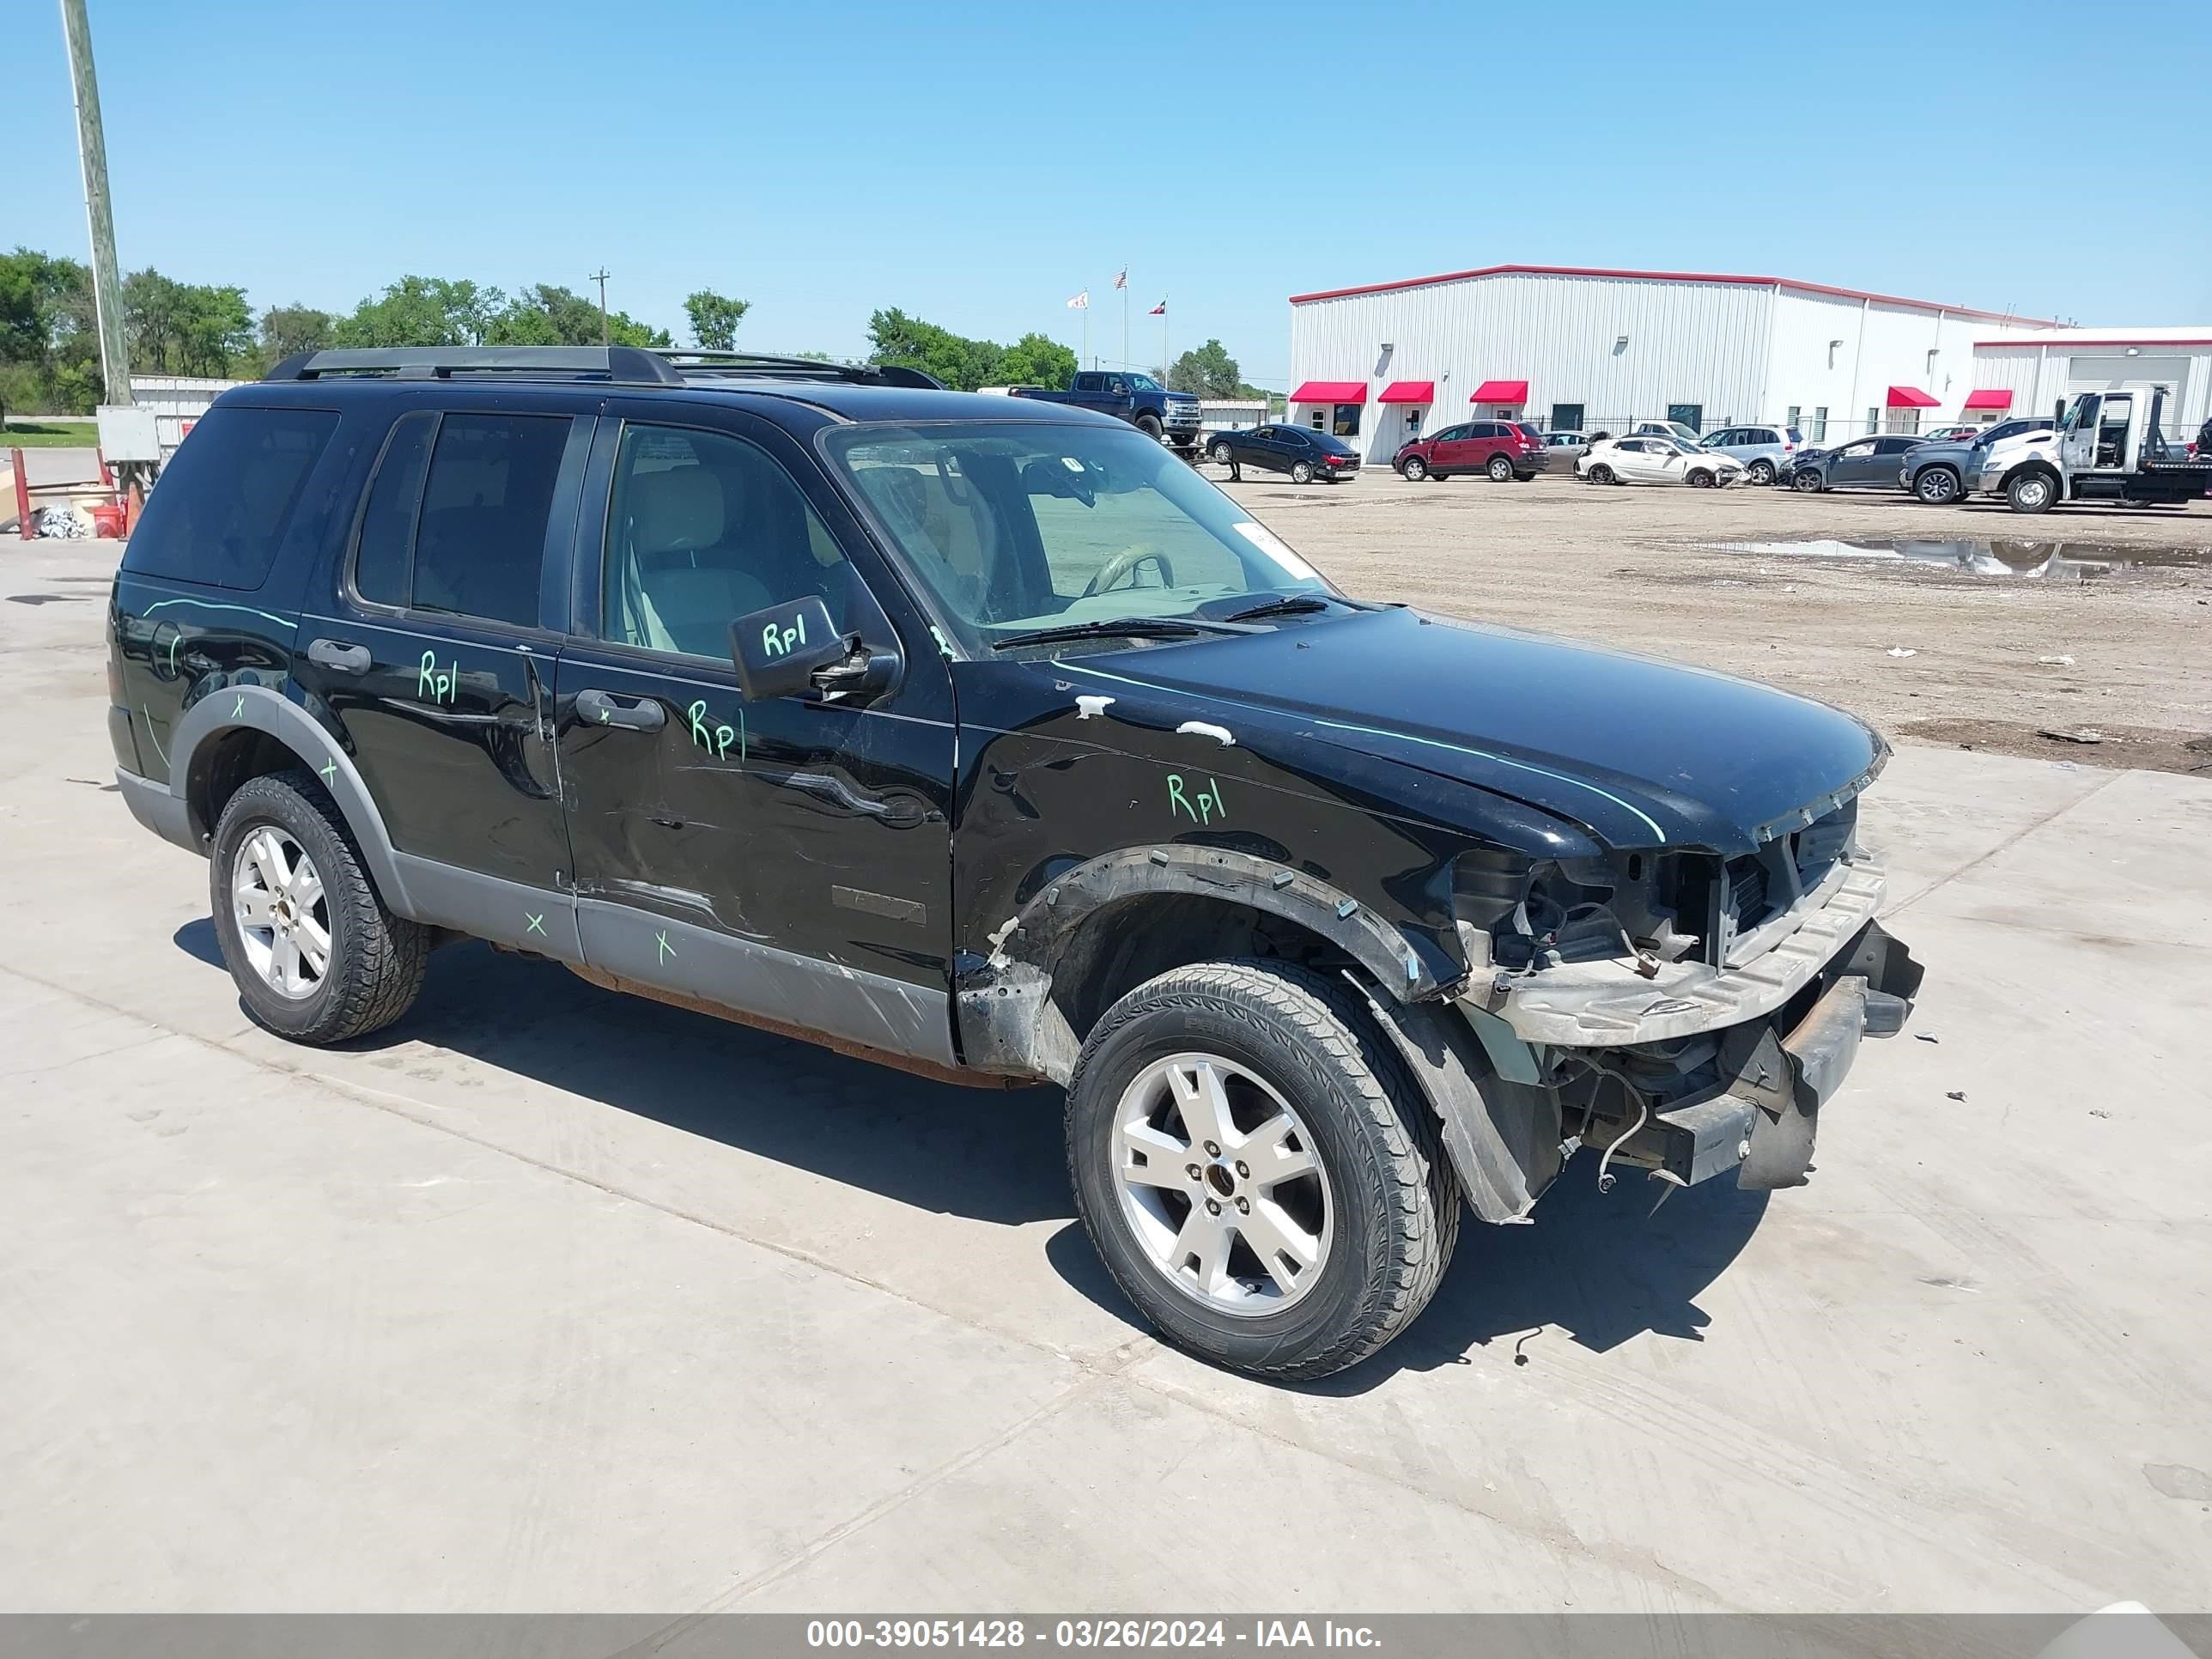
[1500,469]
[1221,454]
[1415,469]
[1761,472]
[1222,1185]
[283,918]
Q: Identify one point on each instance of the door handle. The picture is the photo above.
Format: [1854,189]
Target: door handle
[605,708]
[336,653]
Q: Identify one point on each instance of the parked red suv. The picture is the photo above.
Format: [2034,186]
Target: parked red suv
[1504,449]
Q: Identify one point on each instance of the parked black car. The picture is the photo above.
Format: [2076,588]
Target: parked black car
[1299,451]
[1004,751]
[1862,464]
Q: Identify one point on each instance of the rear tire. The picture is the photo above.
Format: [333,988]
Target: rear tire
[374,960]
[1760,472]
[1294,1070]
[1500,470]
[1300,473]
[1219,454]
[1600,474]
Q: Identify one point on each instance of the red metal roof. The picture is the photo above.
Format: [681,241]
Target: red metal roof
[1501,392]
[1988,399]
[1667,277]
[1331,392]
[1910,397]
[1409,391]
[2069,340]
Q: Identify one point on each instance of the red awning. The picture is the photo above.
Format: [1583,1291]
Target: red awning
[1409,391]
[1987,398]
[1910,397]
[1331,392]
[1501,392]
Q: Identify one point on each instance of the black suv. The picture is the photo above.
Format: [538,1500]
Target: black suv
[987,739]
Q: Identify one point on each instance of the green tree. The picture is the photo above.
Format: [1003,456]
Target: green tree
[545,315]
[423,311]
[288,329]
[1037,360]
[49,335]
[1208,371]
[185,328]
[964,364]
[715,319]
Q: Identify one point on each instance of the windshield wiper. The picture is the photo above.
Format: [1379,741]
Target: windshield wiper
[1134,627]
[1287,605]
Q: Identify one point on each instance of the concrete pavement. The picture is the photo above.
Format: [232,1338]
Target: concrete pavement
[550,1299]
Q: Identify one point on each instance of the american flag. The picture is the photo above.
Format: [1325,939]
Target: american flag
[1122,281]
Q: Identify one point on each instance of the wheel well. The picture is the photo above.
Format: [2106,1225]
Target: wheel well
[219,769]
[1121,945]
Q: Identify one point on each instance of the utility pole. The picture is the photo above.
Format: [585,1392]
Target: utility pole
[600,278]
[92,155]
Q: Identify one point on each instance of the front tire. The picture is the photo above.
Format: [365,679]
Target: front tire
[1414,469]
[1699,480]
[315,955]
[1760,472]
[1805,483]
[2031,492]
[1938,486]
[1500,470]
[1300,473]
[1151,426]
[1333,1211]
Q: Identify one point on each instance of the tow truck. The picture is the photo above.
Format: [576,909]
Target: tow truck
[2109,446]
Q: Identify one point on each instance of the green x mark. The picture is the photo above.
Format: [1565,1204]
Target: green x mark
[330,771]
[238,708]
[537,924]
[666,949]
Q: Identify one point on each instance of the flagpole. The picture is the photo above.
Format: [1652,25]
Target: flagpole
[1125,316]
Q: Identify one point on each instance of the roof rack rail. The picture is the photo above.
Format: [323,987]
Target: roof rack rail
[759,365]
[617,365]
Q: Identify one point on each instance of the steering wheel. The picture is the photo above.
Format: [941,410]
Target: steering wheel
[1122,563]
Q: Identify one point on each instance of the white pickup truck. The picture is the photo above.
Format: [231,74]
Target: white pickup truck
[2109,447]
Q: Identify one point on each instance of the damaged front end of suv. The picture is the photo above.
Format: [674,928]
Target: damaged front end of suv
[1684,1012]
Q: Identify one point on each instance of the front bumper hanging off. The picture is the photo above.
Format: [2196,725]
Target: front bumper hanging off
[1763,1122]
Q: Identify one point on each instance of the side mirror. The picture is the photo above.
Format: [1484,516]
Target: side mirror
[779,651]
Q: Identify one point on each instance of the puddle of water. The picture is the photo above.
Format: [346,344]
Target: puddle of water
[1984,555]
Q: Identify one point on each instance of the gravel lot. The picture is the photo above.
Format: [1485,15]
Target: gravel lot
[1626,566]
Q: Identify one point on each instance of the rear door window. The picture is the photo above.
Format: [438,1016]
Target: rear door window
[224,503]
[456,520]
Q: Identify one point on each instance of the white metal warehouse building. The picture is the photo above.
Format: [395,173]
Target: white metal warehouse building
[2033,375]
[1587,350]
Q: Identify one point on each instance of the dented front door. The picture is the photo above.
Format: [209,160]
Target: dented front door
[789,857]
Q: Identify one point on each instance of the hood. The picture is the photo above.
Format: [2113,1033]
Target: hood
[1638,751]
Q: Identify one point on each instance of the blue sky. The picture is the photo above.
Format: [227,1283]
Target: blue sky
[978,165]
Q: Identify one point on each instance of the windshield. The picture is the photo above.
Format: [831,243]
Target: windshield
[1015,527]
[1143,383]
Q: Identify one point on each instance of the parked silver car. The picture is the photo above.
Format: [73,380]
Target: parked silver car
[1765,451]
[1563,449]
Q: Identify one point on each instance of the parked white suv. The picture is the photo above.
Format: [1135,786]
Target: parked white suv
[1765,451]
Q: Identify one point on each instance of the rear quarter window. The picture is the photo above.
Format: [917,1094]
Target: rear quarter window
[223,505]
